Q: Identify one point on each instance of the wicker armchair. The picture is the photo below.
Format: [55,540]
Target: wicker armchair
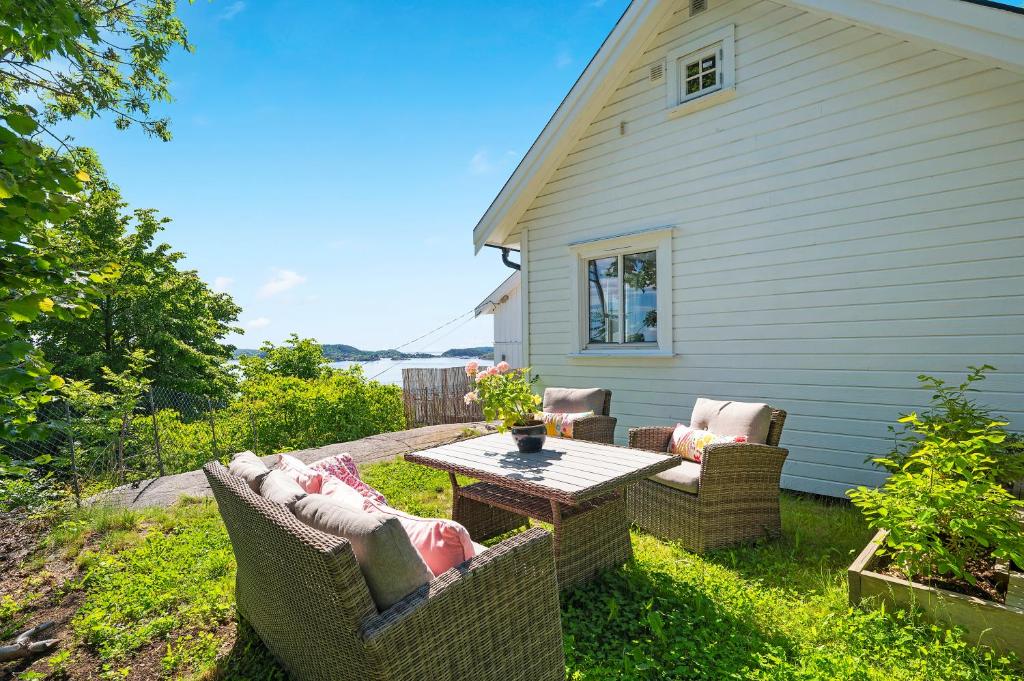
[494,617]
[597,428]
[737,496]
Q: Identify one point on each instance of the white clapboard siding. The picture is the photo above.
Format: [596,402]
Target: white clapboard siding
[508,330]
[852,218]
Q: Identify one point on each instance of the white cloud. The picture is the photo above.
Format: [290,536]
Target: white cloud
[281,282]
[483,164]
[232,10]
[257,323]
[222,284]
[563,58]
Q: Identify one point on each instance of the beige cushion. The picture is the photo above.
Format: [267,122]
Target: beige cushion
[574,400]
[279,488]
[684,477]
[748,419]
[389,562]
[250,468]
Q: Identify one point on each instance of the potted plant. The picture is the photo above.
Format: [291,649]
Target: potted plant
[950,538]
[505,396]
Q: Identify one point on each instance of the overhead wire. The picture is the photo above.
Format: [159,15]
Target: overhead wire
[432,332]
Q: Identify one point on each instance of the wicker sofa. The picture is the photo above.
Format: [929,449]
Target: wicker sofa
[597,428]
[732,495]
[496,616]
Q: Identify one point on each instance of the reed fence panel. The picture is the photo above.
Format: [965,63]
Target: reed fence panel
[433,396]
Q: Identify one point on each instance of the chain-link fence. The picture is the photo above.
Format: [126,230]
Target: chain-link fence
[159,432]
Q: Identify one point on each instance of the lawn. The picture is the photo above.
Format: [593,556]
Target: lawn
[147,595]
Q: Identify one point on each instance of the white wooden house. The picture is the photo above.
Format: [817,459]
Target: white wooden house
[804,202]
[507,307]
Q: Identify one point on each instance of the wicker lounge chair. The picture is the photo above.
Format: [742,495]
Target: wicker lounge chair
[494,617]
[734,496]
[597,428]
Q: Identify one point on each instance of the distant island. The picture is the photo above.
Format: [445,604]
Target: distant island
[337,352]
[479,352]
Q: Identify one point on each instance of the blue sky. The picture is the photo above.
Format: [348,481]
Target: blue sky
[330,158]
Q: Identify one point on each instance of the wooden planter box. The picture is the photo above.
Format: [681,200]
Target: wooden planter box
[995,625]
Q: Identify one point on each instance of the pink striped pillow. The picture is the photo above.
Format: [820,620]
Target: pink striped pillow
[343,467]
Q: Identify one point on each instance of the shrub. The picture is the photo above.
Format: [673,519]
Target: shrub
[292,413]
[278,413]
[946,505]
[953,415]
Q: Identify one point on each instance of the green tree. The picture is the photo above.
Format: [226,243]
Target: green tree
[70,58]
[297,358]
[153,306]
[88,58]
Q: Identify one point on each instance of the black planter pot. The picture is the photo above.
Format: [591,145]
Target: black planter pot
[530,439]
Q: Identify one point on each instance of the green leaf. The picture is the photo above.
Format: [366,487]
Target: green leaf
[24,309]
[21,123]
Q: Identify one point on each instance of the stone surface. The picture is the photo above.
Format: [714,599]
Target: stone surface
[166,490]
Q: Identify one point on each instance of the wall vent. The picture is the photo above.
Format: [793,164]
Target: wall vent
[657,71]
[698,6]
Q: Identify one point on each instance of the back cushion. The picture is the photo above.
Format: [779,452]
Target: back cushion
[279,488]
[308,479]
[389,562]
[574,400]
[342,467]
[250,468]
[343,494]
[441,543]
[747,419]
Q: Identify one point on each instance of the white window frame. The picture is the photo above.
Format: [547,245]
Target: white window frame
[721,41]
[658,240]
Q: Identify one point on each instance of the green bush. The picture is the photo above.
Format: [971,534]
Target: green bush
[294,413]
[276,414]
[946,505]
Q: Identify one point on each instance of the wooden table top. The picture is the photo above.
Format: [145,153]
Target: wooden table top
[566,470]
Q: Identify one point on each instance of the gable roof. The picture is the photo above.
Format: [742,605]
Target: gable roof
[969,29]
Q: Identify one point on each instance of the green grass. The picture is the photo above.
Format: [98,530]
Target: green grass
[775,611]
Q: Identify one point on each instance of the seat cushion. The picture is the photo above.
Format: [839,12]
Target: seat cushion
[574,400]
[441,543]
[685,477]
[748,419]
[250,468]
[388,560]
[279,488]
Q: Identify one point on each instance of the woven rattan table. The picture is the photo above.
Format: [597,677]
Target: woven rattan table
[576,486]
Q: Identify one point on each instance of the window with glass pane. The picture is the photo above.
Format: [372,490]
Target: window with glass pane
[701,73]
[623,299]
[603,274]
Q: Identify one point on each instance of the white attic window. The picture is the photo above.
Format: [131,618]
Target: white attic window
[702,72]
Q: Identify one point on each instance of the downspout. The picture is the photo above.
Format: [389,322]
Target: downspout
[505,251]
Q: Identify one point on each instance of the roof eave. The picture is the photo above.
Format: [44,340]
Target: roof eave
[567,123]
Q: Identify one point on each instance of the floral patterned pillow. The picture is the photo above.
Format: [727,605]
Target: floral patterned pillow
[689,443]
[560,425]
[343,467]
